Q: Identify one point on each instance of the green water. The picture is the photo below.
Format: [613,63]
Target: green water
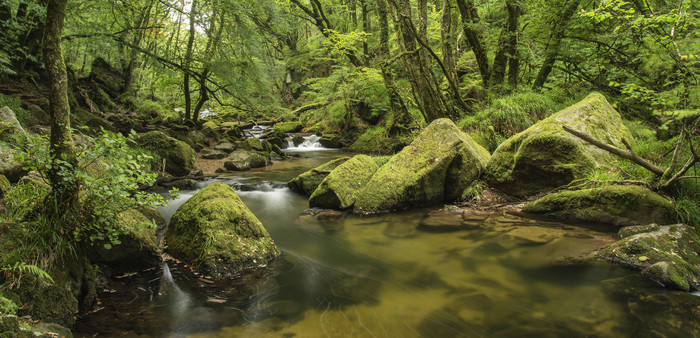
[500,275]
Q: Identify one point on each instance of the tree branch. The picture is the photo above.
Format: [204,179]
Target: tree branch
[627,154]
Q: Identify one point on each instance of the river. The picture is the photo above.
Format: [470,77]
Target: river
[500,275]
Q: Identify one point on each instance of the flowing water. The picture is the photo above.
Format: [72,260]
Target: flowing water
[393,275]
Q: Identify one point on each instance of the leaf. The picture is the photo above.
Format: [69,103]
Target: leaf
[643,258]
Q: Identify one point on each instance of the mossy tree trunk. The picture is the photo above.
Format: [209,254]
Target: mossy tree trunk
[64,192]
[188,61]
[507,43]
[554,44]
[470,18]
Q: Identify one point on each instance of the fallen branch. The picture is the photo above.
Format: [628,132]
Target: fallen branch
[309,107]
[627,154]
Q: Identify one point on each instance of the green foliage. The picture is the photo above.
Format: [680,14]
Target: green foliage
[7,306]
[5,65]
[109,175]
[12,274]
[14,103]
[507,116]
[22,199]
[688,211]
[473,192]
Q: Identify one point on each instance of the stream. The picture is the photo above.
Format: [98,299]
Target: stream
[500,275]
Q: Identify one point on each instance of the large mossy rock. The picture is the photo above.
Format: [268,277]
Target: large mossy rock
[288,127]
[307,182]
[179,157]
[217,235]
[9,120]
[544,156]
[137,249]
[340,188]
[665,254]
[10,167]
[614,204]
[437,166]
[242,159]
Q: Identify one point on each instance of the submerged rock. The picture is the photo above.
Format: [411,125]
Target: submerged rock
[614,204]
[241,159]
[307,182]
[137,249]
[544,156]
[437,166]
[179,157]
[666,254]
[340,188]
[217,235]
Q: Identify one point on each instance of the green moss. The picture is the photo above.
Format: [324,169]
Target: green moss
[437,166]
[545,157]
[7,306]
[340,188]
[179,157]
[307,182]
[614,204]
[217,234]
[209,125]
[288,127]
[666,254]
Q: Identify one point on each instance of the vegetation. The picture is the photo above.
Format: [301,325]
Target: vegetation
[371,73]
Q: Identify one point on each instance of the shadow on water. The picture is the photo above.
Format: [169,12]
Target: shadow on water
[418,273]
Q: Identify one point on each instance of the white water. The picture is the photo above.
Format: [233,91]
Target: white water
[310,144]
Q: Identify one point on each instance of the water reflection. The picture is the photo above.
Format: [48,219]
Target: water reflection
[419,273]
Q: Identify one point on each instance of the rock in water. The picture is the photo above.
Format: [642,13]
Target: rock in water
[242,159]
[437,166]
[340,188]
[666,254]
[544,156]
[217,235]
[307,182]
[614,204]
[179,157]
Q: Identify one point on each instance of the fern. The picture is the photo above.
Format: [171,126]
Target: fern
[14,273]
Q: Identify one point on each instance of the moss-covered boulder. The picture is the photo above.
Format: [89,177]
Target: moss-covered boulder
[340,188]
[288,127]
[137,249]
[241,159]
[614,204]
[8,120]
[226,147]
[666,254]
[307,182]
[213,154]
[179,157]
[217,235]
[251,143]
[331,141]
[544,156]
[437,166]
[10,167]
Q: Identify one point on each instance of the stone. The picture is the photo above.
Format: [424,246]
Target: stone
[179,157]
[436,167]
[287,127]
[240,160]
[225,147]
[7,116]
[330,141]
[666,254]
[137,249]
[10,167]
[614,204]
[443,220]
[217,235]
[213,154]
[297,140]
[185,184]
[544,156]
[340,188]
[307,182]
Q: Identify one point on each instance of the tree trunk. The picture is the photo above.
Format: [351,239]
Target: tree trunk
[188,61]
[63,192]
[366,27]
[554,44]
[514,12]
[449,39]
[470,18]
[506,45]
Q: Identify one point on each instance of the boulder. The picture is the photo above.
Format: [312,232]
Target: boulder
[297,140]
[436,167]
[251,143]
[288,127]
[217,235]
[614,204]
[544,156]
[307,182]
[179,157]
[10,167]
[330,141]
[225,147]
[213,154]
[241,159]
[210,125]
[665,254]
[340,188]
[8,118]
[137,249]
